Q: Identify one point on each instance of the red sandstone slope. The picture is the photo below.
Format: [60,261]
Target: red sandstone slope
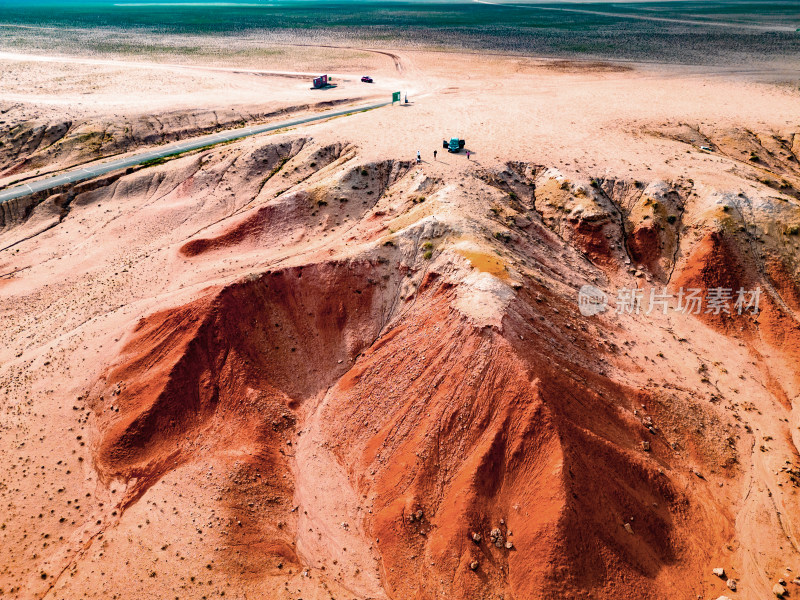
[374,383]
[235,361]
[481,431]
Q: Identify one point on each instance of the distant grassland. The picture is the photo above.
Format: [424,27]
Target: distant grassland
[682,31]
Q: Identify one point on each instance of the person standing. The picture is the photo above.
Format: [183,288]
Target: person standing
[434,154]
[467,154]
[419,157]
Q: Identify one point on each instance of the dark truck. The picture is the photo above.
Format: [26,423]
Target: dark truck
[454,145]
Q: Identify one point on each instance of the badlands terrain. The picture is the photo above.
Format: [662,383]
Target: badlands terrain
[300,365]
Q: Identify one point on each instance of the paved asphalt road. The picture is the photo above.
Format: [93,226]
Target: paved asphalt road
[82,173]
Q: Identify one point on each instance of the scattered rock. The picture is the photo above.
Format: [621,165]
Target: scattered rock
[497,537]
[732,585]
[719,572]
[509,545]
[476,537]
[473,565]
[628,528]
[779,590]
[646,446]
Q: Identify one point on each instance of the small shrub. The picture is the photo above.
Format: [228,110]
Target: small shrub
[793,230]
[364,172]
[427,255]
[427,246]
[671,219]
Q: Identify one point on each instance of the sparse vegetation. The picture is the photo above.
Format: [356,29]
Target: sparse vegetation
[154,162]
[277,168]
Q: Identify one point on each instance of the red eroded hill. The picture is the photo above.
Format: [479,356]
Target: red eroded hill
[233,363]
[492,459]
[365,381]
[498,463]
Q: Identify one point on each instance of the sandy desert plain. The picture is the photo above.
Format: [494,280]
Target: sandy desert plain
[302,366]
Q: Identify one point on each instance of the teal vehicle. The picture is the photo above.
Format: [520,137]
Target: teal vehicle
[454,145]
